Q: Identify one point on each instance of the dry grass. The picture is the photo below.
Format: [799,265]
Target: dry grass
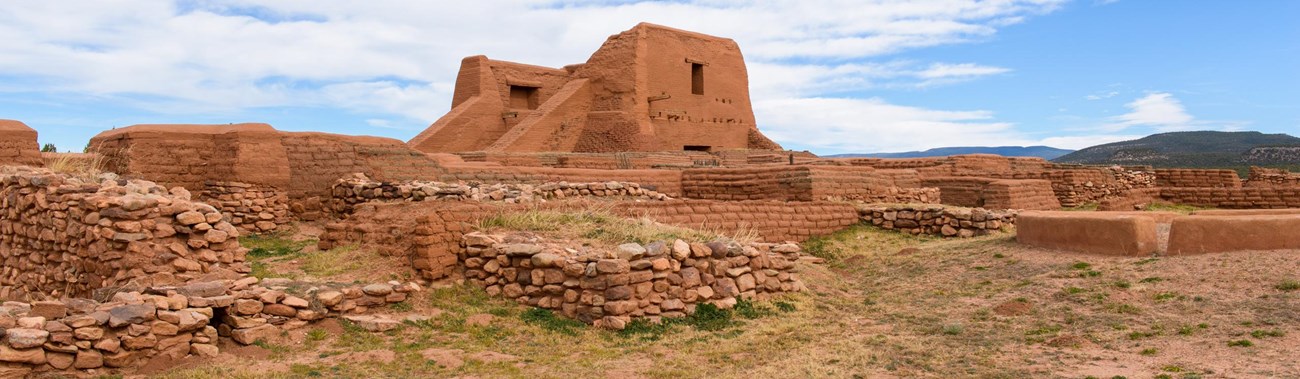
[84,166]
[885,305]
[594,223]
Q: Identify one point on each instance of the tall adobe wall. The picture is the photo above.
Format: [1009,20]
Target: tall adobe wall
[257,175]
[651,88]
[18,144]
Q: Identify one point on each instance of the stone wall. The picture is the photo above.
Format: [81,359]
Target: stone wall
[18,145]
[1168,177]
[64,236]
[349,192]
[1075,187]
[937,220]
[610,288]
[133,328]
[250,207]
[668,182]
[1271,177]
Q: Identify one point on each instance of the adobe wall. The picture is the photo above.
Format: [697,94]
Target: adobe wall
[18,145]
[610,288]
[774,221]
[599,161]
[62,236]
[1168,177]
[802,183]
[992,193]
[1234,198]
[1124,234]
[253,170]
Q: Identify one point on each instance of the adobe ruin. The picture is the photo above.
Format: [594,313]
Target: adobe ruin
[651,88]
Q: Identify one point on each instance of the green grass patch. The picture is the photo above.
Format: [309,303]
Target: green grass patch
[1241,343]
[547,320]
[1288,285]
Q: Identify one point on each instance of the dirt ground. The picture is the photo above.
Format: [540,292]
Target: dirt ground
[883,305]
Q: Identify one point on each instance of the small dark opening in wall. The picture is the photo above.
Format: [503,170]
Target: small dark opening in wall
[522,97]
[696,148]
[697,78]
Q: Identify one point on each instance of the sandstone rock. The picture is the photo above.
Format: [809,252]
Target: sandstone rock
[681,250]
[23,338]
[544,260]
[191,218]
[204,350]
[89,333]
[50,310]
[296,302]
[279,310]
[131,314]
[250,335]
[378,289]
[631,251]
[329,298]
[59,361]
[247,307]
[28,356]
[88,359]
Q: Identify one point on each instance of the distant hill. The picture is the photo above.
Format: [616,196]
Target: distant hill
[1006,151]
[1195,149]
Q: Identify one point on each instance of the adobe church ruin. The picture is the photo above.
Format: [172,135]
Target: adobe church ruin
[651,88]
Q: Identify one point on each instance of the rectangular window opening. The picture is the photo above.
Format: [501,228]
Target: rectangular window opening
[696,148]
[697,78]
[523,97]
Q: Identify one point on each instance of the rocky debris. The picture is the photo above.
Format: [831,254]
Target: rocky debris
[348,192]
[609,288]
[373,323]
[937,220]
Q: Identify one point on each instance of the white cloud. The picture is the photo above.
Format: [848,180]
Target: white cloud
[398,59]
[842,125]
[1100,96]
[1159,110]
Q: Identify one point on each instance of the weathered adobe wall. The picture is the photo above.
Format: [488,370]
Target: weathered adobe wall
[347,193]
[301,166]
[601,161]
[1234,198]
[62,236]
[438,226]
[609,289]
[1167,177]
[801,183]
[937,220]
[994,193]
[18,145]
[1125,234]
[667,182]
[134,328]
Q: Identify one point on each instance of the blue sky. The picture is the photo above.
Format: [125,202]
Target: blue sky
[826,76]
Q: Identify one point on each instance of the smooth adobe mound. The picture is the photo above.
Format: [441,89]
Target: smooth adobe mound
[1223,233]
[1125,234]
[18,144]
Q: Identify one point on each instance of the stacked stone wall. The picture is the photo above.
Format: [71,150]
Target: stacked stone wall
[800,183]
[668,182]
[132,328]
[1270,177]
[250,207]
[610,288]
[1167,177]
[347,193]
[64,236]
[937,220]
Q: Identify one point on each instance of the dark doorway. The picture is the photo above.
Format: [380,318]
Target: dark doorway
[697,79]
[696,148]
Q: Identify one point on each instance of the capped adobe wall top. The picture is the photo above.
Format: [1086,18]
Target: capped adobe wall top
[651,88]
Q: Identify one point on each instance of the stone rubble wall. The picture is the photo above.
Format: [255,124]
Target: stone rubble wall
[428,233]
[1075,187]
[251,208]
[937,220]
[1168,177]
[1270,177]
[349,192]
[1135,199]
[668,182]
[65,236]
[134,327]
[610,288]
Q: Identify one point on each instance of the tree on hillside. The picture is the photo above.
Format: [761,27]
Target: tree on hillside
[49,148]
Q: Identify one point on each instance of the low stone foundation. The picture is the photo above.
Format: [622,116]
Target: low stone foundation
[349,192]
[937,220]
[610,288]
[132,328]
